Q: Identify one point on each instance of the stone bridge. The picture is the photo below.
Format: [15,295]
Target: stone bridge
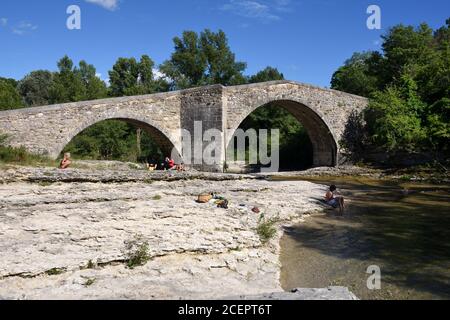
[323,112]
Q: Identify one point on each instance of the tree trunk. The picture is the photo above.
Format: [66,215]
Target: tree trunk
[138,142]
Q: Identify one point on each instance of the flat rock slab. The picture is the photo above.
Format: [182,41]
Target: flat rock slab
[198,250]
[11,174]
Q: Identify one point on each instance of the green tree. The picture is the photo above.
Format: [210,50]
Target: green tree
[95,87]
[355,76]
[130,77]
[268,74]
[222,66]
[12,82]
[438,125]
[34,88]
[201,60]
[9,96]
[406,45]
[106,140]
[394,118]
[68,85]
[409,83]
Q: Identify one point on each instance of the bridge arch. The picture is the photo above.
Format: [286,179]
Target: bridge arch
[164,139]
[324,141]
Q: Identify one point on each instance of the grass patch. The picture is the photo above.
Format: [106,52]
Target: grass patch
[90,282]
[45,183]
[55,271]
[266,229]
[20,156]
[90,265]
[137,252]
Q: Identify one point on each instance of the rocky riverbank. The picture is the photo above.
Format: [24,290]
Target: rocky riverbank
[406,174]
[64,234]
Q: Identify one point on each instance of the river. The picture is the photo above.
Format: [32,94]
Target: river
[402,227]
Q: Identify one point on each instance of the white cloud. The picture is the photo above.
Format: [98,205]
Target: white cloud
[107,4]
[250,9]
[3,22]
[23,27]
[282,5]
[265,10]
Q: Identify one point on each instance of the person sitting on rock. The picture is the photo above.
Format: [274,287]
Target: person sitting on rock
[65,162]
[169,164]
[333,200]
[151,166]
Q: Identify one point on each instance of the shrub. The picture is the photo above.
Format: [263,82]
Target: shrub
[136,252]
[55,271]
[20,155]
[89,282]
[266,229]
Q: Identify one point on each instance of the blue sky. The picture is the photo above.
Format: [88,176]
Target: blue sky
[307,40]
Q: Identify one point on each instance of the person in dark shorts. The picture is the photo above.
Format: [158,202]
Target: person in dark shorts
[335,201]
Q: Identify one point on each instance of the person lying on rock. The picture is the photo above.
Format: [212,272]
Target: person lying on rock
[335,201]
[65,162]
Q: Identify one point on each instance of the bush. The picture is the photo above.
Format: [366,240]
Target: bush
[20,155]
[137,252]
[266,229]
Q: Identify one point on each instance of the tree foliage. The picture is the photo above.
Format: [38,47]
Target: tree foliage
[71,84]
[203,59]
[409,86]
[34,88]
[130,77]
[9,95]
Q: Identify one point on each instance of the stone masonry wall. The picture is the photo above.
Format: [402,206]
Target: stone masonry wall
[324,113]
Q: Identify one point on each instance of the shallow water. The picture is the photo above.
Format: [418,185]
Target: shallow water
[402,227]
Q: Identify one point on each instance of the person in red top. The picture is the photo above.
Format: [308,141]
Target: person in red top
[169,164]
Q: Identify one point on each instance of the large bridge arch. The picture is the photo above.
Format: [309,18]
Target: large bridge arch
[323,112]
[324,142]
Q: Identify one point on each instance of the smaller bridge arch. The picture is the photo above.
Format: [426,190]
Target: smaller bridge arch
[158,135]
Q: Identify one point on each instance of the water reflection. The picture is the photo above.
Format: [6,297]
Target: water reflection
[402,227]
